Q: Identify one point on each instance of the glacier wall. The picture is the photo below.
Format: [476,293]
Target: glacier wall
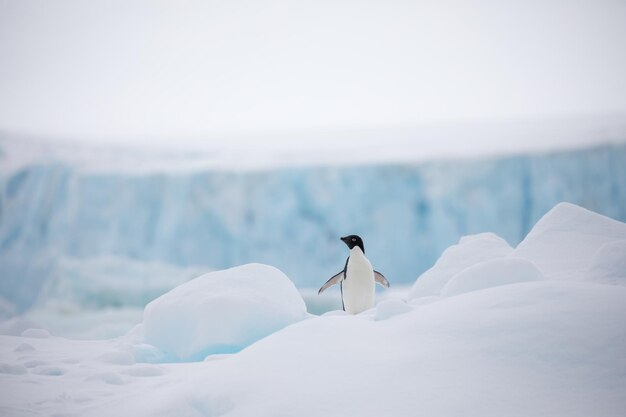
[290,218]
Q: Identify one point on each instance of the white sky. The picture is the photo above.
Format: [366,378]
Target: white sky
[110,70]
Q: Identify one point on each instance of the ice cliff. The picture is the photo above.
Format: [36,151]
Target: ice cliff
[291,217]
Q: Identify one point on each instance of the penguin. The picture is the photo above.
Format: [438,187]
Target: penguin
[357,279]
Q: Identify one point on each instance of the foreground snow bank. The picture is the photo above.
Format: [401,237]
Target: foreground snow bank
[542,348]
[532,349]
[222,312]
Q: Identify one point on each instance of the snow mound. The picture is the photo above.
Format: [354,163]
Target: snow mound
[17,326]
[568,243]
[36,333]
[389,308]
[470,251]
[608,264]
[492,273]
[564,243]
[222,312]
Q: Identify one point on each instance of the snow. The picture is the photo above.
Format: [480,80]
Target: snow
[16,326]
[608,264]
[500,271]
[565,241]
[470,251]
[36,333]
[568,243]
[254,151]
[222,312]
[492,334]
[391,307]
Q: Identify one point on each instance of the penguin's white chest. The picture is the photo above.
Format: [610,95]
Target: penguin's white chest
[358,286]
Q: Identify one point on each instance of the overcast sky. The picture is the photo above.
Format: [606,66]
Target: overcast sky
[112,69]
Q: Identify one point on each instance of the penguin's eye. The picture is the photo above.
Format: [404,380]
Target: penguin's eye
[353,239]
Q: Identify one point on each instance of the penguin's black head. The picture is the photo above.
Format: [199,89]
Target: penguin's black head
[352,241]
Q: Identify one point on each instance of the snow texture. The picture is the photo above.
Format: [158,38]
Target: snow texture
[56,215]
[500,271]
[470,251]
[608,264]
[568,243]
[222,312]
[565,242]
[504,335]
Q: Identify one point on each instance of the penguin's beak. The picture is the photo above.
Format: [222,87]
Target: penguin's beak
[344,239]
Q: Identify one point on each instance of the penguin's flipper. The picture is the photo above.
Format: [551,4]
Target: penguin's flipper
[380,278]
[335,279]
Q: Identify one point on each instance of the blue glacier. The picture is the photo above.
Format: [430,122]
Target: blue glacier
[291,218]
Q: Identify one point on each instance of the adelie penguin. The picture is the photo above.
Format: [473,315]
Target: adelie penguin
[358,278]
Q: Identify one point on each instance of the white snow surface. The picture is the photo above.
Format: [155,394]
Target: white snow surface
[565,241]
[496,332]
[470,251]
[499,271]
[608,264]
